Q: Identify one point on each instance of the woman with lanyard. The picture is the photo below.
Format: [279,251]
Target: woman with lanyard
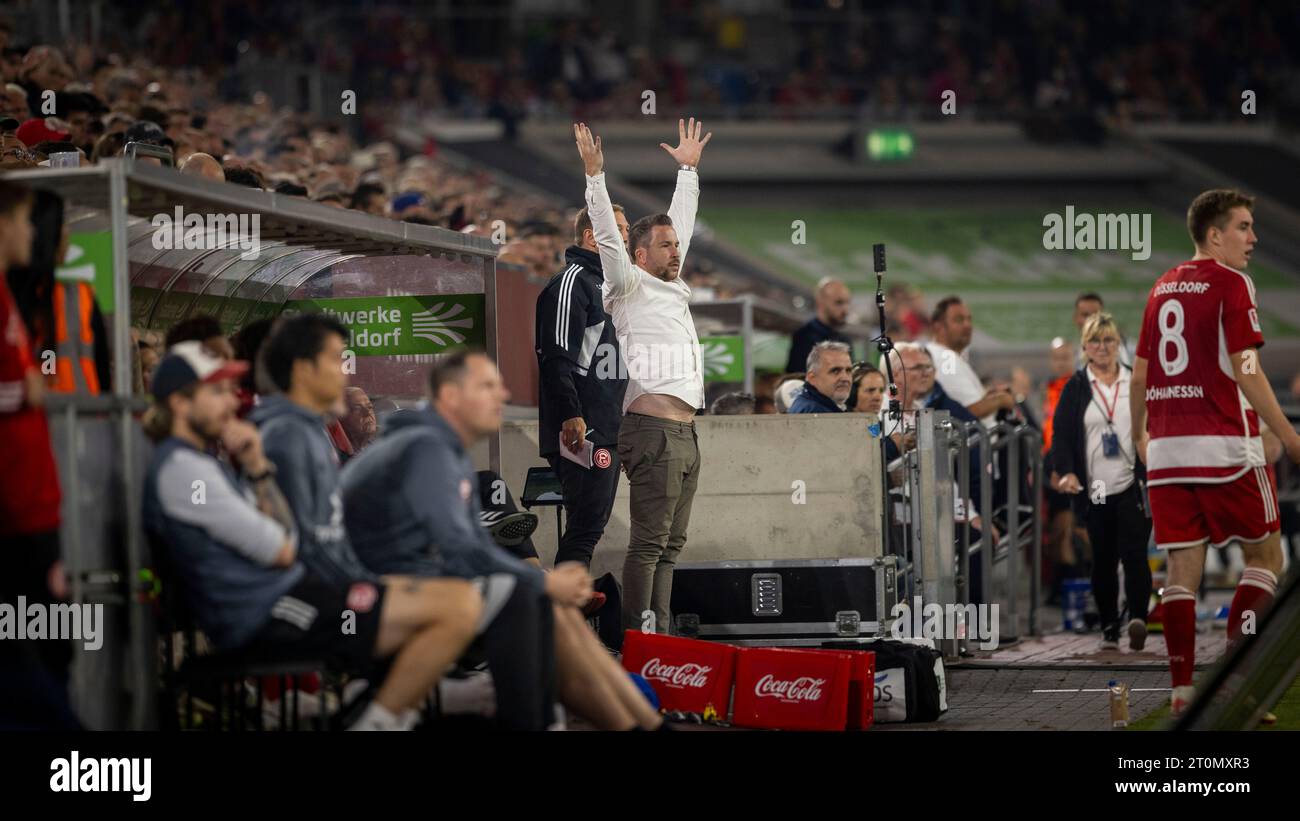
[1093,453]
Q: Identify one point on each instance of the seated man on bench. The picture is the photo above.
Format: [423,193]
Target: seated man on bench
[235,551]
[411,506]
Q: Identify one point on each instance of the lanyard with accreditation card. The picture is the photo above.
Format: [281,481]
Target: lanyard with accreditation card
[1110,439]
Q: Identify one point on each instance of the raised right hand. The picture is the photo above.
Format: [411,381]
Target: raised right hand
[593,158]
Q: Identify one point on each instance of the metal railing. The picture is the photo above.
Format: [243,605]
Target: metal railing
[939,550]
[99,449]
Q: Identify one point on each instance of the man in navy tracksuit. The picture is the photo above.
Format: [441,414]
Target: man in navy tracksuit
[411,505]
[581,389]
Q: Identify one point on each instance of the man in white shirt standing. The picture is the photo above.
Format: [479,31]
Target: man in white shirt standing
[950,331]
[649,304]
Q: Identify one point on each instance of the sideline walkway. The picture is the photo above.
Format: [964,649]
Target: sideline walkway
[1082,651]
[1040,699]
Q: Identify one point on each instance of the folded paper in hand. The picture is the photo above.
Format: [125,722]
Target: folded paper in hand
[582,457]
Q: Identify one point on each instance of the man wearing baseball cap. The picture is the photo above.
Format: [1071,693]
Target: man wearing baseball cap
[40,130]
[233,546]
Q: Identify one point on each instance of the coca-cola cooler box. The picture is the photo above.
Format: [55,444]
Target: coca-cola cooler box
[763,603]
[687,674]
[862,684]
[780,689]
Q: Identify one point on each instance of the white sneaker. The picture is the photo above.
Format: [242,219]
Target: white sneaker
[561,723]
[1180,699]
[408,720]
[377,717]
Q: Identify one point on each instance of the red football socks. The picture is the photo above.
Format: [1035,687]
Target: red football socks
[1254,594]
[1180,633]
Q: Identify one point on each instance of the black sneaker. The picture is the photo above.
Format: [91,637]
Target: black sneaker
[1137,634]
[1110,637]
[508,529]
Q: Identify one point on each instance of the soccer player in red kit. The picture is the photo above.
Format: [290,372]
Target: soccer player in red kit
[1198,397]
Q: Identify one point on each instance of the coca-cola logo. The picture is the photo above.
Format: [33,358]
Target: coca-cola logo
[804,688]
[689,674]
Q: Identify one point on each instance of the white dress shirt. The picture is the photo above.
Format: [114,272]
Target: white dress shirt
[952,370]
[652,318]
[1116,474]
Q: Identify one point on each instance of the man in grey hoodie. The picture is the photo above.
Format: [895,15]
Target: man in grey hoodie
[411,506]
[303,359]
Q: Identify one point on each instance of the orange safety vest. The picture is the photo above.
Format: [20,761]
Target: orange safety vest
[74,336]
[1053,396]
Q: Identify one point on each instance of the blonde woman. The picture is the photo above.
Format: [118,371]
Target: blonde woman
[1094,455]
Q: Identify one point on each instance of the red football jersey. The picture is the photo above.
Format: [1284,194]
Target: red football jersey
[1202,428]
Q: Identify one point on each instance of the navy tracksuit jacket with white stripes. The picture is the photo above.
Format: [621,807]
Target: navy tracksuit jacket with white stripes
[578,355]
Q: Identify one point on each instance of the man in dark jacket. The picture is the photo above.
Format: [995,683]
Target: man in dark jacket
[833,300]
[828,382]
[411,506]
[581,389]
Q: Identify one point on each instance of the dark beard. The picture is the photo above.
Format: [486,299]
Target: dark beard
[210,433]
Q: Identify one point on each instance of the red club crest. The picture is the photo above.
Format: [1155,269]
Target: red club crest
[361,597]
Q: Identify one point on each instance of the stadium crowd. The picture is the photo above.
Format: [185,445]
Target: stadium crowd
[1119,60]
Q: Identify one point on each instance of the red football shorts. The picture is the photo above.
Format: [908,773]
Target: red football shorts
[1243,510]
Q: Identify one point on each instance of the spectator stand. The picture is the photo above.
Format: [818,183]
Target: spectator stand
[407,293]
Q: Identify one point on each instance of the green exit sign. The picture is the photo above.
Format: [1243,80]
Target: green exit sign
[889,144]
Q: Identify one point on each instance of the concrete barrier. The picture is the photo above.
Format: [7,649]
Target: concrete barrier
[750,503]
